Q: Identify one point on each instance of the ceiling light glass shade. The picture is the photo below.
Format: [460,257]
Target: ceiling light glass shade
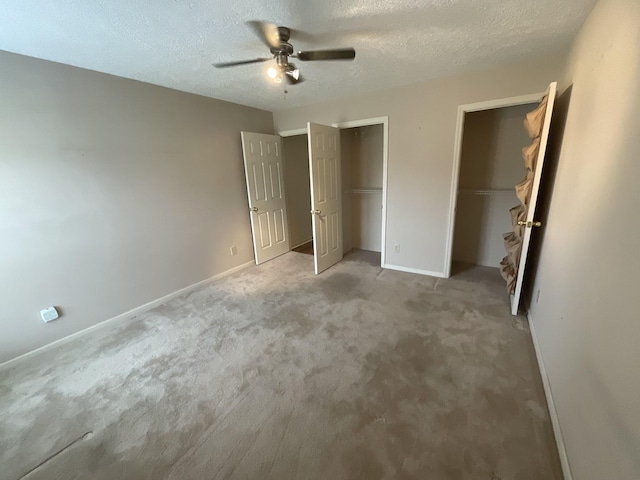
[295,74]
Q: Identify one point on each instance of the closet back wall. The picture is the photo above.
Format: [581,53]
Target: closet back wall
[297,189]
[362,159]
[491,163]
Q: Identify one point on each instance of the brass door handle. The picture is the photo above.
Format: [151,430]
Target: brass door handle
[530,224]
[315,212]
[253,209]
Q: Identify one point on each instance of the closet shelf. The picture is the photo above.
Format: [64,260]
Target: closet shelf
[487,191]
[358,191]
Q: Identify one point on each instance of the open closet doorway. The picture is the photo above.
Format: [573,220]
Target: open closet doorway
[490,166]
[487,136]
[298,191]
[364,151]
[464,190]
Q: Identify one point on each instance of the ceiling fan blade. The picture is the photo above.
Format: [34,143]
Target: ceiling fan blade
[267,32]
[335,54]
[241,62]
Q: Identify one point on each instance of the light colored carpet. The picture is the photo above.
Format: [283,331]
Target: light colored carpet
[274,373]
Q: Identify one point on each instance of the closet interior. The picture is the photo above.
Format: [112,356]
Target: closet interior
[490,166]
[361,150]
[298,192]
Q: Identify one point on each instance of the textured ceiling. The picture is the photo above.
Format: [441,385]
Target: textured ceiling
[173,42]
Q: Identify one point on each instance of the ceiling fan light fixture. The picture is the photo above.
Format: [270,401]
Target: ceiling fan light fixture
[277,39]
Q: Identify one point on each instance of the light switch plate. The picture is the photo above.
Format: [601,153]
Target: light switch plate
[49,314]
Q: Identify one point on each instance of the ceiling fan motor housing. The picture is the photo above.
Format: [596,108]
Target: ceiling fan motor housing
[282,60]
[284,33]
[285,48]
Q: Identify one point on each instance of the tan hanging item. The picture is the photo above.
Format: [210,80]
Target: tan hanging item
[534,120]
[518,214]
[530,154]
[509,274]
[509,265]
[513,246]
[523,189]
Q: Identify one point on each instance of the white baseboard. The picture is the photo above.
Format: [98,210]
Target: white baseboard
[555,421]
[414,270]
[300,244]
[127,315]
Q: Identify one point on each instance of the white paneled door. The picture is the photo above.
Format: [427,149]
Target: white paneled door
[264,171]
[326,197]
[531,211]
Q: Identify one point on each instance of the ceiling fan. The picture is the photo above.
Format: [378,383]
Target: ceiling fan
[277,39]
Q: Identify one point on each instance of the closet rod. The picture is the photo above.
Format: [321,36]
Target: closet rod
[364,190]
[487,191]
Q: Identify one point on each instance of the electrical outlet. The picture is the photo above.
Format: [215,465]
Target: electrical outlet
[234,250]
[396,248]
[538,296]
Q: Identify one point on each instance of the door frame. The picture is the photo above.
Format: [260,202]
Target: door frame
[457,157]
[293,133]
[365,122]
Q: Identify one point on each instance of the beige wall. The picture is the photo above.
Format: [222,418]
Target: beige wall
[362,158]
[491,158]
[297,188]
[587,319]
[480,222]
[422,119]
[112,193]
[492,148]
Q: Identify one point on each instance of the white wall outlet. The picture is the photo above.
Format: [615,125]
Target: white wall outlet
[234,250]
[396,248]
[49,314]
[538,296]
